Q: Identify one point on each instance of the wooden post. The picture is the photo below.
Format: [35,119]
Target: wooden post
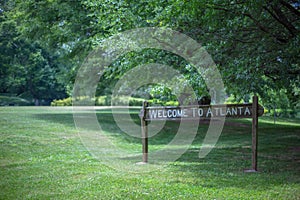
[254,132]
[144,132]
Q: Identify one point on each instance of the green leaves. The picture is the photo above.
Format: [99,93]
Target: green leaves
[254,43]
[26,68]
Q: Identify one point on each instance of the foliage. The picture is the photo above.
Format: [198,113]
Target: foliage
[254,43]
[279,101]
[25,66]
[107,101]
[62,102]
[158,102]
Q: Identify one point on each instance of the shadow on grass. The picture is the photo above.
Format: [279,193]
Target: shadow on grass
[278,148]
[108,125]
[223,167]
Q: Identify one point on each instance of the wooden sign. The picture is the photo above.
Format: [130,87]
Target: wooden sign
[200,112]
[251,110]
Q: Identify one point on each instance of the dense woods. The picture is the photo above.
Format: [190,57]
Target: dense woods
[255,44]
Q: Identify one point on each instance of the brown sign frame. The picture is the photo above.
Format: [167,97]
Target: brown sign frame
[195,112]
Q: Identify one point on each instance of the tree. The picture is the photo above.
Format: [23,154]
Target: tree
[26,68]
[254,43]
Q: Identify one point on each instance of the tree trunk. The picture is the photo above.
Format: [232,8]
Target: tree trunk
[36,102]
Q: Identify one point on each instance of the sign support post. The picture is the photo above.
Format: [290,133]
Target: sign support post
[254,132]
[144,127]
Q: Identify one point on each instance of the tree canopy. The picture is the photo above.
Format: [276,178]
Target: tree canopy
[254,43]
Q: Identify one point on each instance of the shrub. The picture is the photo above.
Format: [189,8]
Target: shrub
[102,101]
[157,102]
[62,102]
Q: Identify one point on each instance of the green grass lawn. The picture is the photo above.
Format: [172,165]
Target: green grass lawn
[42,157]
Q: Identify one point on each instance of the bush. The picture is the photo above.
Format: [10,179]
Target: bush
[103,101]
[62,102]
[285,113]
[118,101]
[157,102]
[136,102]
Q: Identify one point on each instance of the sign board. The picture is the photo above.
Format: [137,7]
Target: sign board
[251,110]
[200,112]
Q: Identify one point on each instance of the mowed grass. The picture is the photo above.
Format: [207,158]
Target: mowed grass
[42,157]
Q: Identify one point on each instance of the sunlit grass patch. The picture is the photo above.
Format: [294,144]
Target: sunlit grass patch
[42,157]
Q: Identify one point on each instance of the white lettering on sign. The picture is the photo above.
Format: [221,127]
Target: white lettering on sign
[200,112]
[234,111]
[193,112]
[209,113]
[184,114]
[171,113]
[240,109]
[247,111]
[228,111]
[153,113]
